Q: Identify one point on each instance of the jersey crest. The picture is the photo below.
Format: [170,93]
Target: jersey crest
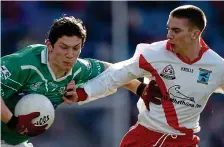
[5,74]
[35,86]
[168,73]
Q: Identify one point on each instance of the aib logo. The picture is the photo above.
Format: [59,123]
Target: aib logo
[42,120]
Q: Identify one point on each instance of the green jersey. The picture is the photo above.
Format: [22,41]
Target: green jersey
[28,71]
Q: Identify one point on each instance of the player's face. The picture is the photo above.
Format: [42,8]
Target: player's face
[64,53]
[179,33]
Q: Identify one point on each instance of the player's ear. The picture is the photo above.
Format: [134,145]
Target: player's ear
[195,34]
[48,44]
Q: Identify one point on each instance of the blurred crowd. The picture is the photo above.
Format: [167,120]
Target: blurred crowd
[24,23]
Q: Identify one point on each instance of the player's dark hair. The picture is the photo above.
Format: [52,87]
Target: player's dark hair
[194,14]
[67,26]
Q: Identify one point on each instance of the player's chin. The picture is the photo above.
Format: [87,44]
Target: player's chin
[67,69]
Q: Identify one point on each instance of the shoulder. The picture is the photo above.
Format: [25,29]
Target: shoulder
[211,55]
[27,51]
[212,58]
[31,50]
[24,55]
[153,47]
[83,62]
[88,61]
[90,65]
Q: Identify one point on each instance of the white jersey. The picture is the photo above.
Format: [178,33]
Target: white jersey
[186,86]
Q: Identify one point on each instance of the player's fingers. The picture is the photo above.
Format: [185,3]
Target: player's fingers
[34,114]
[152,83]
[75,97]
[70,88]
[38,127]
[41,127]
[74,86]
[72,82]
[155,88]
[70,93]
[156,100]
[67,101]
[156,94]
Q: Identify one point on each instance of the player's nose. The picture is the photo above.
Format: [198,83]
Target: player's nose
[70,53]
[169,35]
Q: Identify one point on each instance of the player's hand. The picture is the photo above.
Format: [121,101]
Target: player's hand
[152,94]
[23,124]
[70,95]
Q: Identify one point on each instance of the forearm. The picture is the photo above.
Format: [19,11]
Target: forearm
[6,114]
[114,77]
[104,84]
[132,86]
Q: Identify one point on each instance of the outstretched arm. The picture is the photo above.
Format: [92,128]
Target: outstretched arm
[131,86]
[114,77]
[117,75]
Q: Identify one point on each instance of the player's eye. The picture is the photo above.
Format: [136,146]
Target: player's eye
[176,31]
[64,47]
[76,48]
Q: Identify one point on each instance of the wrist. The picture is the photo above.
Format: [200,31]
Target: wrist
[140,89]
[12,122]
[81,94]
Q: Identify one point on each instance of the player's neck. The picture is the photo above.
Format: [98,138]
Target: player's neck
[191,52]
[57,72]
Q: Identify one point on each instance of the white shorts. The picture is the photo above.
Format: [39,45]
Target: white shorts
[24,144]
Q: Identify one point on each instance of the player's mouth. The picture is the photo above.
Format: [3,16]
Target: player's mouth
[68,63]
[172,44]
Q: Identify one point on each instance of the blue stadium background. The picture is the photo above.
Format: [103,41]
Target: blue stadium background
[91,125]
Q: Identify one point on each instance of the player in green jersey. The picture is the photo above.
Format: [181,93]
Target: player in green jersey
[52,70]
[44,69]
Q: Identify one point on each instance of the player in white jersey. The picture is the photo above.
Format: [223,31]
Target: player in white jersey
[187,72]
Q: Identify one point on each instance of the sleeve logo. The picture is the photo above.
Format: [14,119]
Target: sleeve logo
[5,74]
[86,63]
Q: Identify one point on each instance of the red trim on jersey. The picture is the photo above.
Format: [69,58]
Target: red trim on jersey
[168,107]
[204,48]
